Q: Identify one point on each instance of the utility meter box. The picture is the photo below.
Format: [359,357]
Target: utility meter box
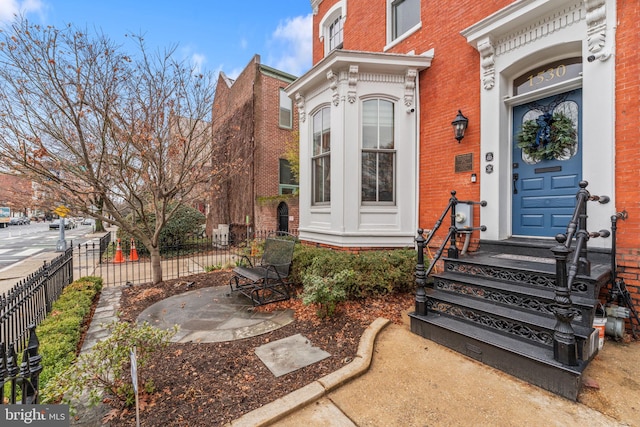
[464,217]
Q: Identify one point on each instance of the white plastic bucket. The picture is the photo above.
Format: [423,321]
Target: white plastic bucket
[599,323]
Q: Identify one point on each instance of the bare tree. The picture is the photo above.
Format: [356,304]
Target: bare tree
[123,138]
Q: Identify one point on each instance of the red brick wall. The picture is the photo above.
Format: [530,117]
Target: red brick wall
[627,59]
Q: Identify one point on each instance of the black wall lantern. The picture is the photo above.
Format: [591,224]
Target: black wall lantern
[460,125]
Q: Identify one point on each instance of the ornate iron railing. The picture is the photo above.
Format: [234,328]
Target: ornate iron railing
[452,252]
[23,376]
[565,348]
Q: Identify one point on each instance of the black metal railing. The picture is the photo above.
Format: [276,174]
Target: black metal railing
[452,252]
[564,342]
[29,301]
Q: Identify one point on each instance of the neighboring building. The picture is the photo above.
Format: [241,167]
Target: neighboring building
[378,154]
[20,194]
[253,120]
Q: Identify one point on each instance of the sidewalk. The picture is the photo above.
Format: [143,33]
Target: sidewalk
[411,381]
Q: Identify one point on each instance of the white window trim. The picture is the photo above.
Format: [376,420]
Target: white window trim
[390,41]
[338,9]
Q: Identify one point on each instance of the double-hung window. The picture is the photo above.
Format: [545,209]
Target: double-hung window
[405,14]
[378,152]
[286,108]
[321,160]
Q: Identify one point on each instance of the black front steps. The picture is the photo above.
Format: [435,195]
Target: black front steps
[499,310]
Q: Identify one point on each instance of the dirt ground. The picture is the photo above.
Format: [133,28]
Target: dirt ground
[212,384]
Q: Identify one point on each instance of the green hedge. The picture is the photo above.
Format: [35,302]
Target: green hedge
[60,332]
[376,273]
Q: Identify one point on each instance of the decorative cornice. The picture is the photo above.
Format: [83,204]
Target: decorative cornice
[353,81]
[540,28]
[333,86]
[410,86]
[300,104]
[487,61]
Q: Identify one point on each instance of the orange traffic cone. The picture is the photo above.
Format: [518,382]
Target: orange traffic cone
[133,253]
[118,257]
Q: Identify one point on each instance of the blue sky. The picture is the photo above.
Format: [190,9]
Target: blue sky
[216,35]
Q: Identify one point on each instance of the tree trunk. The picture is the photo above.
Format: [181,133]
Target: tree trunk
[156,265]
[99,225]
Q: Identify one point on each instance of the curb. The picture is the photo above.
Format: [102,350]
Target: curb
[296,400]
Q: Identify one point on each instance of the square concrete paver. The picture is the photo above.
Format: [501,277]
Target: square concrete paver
[289,354]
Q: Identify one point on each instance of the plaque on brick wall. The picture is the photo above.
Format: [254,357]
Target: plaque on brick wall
[464,162]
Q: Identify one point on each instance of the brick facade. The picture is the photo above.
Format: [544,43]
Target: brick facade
[453,81]
[245,121]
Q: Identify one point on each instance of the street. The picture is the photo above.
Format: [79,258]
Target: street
[28,246]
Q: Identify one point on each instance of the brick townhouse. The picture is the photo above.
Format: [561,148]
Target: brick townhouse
[379,157]
[252,122]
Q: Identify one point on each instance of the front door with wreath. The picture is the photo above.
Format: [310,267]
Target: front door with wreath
[547,164]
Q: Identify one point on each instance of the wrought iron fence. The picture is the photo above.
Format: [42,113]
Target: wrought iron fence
[129,262]
[29,301]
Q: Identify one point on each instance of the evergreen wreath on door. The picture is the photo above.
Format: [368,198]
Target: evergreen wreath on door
[550,136]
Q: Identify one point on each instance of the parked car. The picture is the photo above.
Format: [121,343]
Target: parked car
[16,221]
[88,221]
[55,225]
[26,220]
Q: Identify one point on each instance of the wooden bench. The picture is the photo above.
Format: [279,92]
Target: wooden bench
[266,282]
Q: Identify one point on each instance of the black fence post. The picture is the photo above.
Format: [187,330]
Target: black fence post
[35,367]
[421,295]
[565,349]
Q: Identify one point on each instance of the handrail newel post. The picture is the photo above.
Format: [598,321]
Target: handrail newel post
[453,247]
[565,349]
[421,295]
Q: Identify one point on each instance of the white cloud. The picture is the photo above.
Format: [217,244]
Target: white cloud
[290,49]
[198,60]
[9,9]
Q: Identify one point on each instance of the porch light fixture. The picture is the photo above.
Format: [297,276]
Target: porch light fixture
[459,125]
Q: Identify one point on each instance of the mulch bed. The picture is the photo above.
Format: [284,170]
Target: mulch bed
[211,384]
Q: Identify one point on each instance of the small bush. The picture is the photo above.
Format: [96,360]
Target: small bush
[326,292]
[375,273]
[104,368]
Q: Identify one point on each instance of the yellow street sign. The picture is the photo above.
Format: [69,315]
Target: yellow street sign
[61,211]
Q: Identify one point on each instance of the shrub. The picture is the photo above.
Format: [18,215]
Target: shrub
[375,273]
[184,224]
[326,292]
[102,370]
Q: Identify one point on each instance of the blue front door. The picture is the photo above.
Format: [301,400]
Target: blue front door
[544,190]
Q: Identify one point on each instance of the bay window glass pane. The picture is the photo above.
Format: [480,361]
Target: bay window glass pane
[370,124]
[386,124]
[369,177]
[385,174]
